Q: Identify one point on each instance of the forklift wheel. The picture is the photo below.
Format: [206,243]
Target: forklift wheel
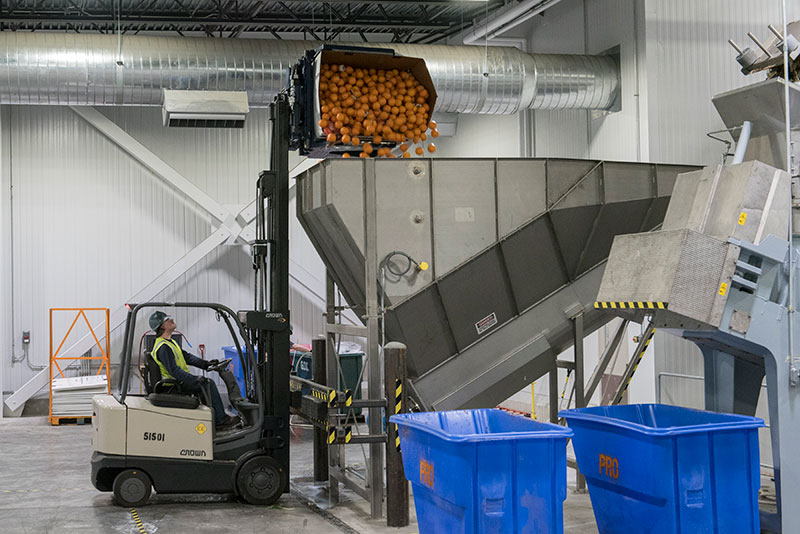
[261,480]
[131,488]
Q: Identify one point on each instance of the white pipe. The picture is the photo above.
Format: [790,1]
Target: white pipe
[508,19]
[741,144]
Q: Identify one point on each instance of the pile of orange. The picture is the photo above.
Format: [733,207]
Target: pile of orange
[367,107]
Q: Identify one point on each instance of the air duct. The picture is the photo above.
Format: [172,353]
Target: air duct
[95,70]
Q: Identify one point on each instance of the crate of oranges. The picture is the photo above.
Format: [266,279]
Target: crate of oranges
[369,102]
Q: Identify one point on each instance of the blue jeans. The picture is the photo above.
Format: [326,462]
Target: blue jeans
[216,401]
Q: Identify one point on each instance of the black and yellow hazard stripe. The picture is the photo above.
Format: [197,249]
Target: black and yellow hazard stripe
[332,398]
[331,435]
[638,361]
[348,434]
[319,395]
[348,398]
[139,525]
[630,305]
[398,407]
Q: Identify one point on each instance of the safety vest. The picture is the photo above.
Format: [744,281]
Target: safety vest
[176,350]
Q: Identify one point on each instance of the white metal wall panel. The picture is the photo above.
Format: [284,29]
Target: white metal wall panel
[610,24]
[559,133]
[92,226]
[689,61]
[5,250]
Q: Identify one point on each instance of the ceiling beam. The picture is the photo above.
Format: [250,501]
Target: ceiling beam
[227,23]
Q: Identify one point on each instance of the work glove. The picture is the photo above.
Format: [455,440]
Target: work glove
[213,363]
[202,381]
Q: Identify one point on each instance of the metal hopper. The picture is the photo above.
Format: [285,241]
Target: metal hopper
[514,245]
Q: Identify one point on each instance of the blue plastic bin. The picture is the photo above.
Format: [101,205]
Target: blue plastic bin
[658,469]
[232,353]
[484,471]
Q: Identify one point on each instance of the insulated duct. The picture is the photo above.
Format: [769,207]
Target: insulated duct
[99,70]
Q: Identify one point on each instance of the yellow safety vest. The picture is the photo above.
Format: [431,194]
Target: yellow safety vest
[176,350]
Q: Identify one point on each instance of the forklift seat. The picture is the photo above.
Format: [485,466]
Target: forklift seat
[165,392]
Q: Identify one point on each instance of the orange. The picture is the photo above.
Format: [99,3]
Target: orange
[367,148]
[419,151]
[346,155]
[434,133]
[431,148]
[331,137]
[406,154]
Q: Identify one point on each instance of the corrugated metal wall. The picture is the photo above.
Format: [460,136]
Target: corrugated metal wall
[91,226]
[689,61]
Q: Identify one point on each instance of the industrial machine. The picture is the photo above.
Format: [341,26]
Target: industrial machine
[168,441]
[722,273]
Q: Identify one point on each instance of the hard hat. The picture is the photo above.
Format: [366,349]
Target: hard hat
[157,318]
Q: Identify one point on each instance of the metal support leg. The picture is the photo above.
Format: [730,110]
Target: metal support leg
[554,395]
[732,385]
[580,399]
[319,375]
[633,364]
[335,452]
[397,399]
[374,389]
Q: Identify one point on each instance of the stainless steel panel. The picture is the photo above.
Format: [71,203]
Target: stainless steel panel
[473,294]
[563,174]
[686,211]
[534,264]
[521,193]
[344,189]
[423,326]
[451,385]
[628,181]
[404,224]
[614,219]
[573,228]
[464,215]
[747,201]
[588,191]
[641,268]
[666,175]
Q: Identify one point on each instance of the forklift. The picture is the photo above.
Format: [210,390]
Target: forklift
[165,440]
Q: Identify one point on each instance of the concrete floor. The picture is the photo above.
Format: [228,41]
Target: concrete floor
[45,488]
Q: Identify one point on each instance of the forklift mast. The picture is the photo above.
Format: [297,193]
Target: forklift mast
[269,322]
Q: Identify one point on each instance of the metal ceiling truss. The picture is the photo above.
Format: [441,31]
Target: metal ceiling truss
[425,21]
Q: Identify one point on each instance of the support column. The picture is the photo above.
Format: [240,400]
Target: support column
[580,399]
[553,376]
[319,375]
[374,389]
[335,452]
[397,402]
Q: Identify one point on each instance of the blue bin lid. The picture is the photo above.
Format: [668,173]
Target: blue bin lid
[479,425]
[660,419]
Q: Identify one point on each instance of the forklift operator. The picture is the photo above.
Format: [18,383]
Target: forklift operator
[174,364]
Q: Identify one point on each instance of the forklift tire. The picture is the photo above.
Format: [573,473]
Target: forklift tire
[261,480]
[132,488]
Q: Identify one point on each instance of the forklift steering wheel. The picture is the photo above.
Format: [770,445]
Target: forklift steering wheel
[223,364]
